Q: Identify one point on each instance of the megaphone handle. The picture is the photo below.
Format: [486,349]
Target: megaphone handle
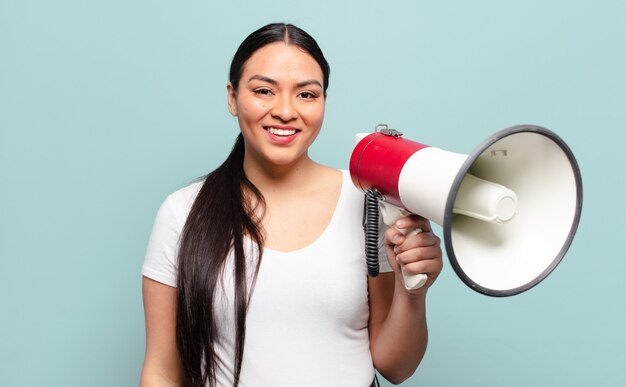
[413,281]
[391,214]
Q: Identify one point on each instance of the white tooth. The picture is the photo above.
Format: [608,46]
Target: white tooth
[282,132]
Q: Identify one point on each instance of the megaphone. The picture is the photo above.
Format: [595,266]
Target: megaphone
[509,210]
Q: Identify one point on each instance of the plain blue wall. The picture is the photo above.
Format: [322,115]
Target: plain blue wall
[108,106]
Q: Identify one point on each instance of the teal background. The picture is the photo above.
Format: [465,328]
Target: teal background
[108,106]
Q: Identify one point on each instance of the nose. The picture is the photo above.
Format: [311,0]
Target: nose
[284,108]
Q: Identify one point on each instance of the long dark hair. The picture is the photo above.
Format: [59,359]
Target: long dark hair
[226,209]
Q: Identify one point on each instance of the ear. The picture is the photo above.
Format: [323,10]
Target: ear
[232,99]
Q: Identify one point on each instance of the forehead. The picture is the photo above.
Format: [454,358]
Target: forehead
[282,61]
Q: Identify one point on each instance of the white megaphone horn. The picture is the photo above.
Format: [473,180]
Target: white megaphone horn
[509,210]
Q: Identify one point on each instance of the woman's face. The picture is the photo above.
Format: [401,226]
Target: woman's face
[279,104]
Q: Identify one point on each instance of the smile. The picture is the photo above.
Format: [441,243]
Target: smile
[280,132]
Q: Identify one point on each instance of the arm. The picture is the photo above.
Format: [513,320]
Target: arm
[162,366]
[397,327]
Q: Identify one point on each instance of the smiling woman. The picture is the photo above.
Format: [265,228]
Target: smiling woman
[256,275]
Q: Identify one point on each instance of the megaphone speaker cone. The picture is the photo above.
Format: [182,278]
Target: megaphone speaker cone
[509,258]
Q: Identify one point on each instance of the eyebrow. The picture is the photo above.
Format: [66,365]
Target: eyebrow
[271,81]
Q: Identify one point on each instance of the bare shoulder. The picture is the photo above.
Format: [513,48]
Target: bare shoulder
[328,177]
[326,184]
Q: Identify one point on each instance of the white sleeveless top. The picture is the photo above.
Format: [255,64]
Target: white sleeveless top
[308,315]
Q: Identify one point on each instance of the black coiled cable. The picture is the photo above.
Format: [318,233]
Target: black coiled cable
[371,222]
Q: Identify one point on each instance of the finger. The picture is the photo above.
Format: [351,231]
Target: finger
[416,241]
[430,267]
[419,254]
[413,222]
[394,237]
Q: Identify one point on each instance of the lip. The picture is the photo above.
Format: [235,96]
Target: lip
[282,139]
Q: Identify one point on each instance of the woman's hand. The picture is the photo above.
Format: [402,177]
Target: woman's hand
[414,253]
[398,329]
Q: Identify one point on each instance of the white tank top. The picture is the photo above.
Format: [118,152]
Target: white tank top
[308,315]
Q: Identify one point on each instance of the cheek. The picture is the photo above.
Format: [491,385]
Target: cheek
[248,113]
[315,115]
[255,109]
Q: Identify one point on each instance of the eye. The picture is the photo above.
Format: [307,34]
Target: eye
[262,91]
[307,95]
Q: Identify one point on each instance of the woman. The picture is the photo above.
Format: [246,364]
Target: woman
[256,275]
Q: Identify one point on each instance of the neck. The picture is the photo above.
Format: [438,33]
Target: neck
[278,177]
